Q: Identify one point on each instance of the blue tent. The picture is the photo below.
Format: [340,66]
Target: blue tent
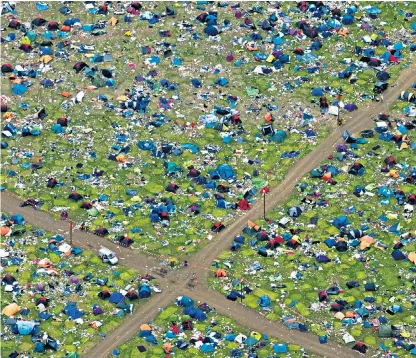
[222,81]
[395,229]
[19,89]
[250,341]
[196,83]
[39,347]
[318,92]
[184,301]
[212,30]
[144,291]
[207,347]
[398,255]
[334,24]
[340,222]
[25,327]
[116,297]
[278,136]
[225,171]
[347,19]
[264,301]
[195,313]
[72,311]
[17,219]
[385,191]
[372,10]
[57,128]
[221,204]
[280,348]
[146,145]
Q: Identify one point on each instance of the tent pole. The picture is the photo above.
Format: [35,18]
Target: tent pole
[70,232]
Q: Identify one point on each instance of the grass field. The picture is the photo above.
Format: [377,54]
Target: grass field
[98,129]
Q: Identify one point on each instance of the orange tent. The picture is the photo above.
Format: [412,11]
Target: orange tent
[11,309]
[366,241]
[145,327]
[167,347]
[46,59]
[326,176]
[45,263]
[66,28]
[121,158]
[394,173]
[412,257]
[8,115]
[268,117]
[5,230]
[65,94]
[221,273]
[253,225]
[343,32]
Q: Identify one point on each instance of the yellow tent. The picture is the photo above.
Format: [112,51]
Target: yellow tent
[412,257]
[270,59]
[256,335]
[127,33]
[122,98]
[46,59]
[25,40]
[11,309]
[113,21]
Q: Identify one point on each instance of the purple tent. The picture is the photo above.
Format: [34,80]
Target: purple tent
[74,279]
[39,287]
[342,148]
[96,310]
[350,107]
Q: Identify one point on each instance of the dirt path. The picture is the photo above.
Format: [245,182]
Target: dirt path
[88,241]
[174,283]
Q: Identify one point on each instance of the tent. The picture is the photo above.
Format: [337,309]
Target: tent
[385,331]
[184,301]
[144,291]
[17,219]
[264,301]
[280,348]
[19,89]
[11,309]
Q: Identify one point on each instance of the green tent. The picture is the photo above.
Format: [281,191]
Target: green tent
[98,82]
[93,212]
[258,183]
[385,331]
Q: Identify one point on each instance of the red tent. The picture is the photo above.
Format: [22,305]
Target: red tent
[243,204]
